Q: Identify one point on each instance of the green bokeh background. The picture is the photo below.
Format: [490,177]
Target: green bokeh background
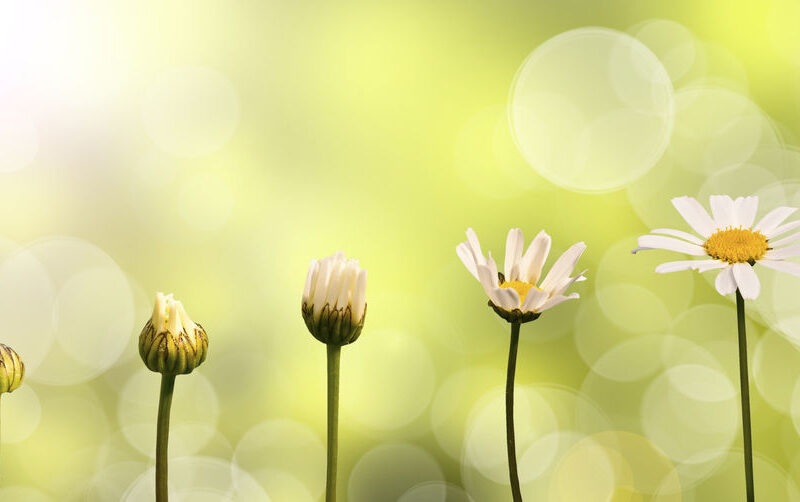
[379,129]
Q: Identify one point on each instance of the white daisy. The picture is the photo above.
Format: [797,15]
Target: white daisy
[518,290]
[730,239]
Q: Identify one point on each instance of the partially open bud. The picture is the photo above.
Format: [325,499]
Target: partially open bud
[334,299]
[12,370]
[170,342]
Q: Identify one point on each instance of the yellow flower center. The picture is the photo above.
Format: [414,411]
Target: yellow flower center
[520,287]
[736,245]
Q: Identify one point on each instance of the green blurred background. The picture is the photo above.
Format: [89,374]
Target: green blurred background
[212,148]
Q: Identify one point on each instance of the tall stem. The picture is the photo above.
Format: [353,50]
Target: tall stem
[745,387]
[334,351]
[162,437]
[511,443]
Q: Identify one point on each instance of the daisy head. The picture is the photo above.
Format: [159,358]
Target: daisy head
[519,294]
[729,241]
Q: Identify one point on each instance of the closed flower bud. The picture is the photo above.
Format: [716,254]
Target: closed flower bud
[334,299]
[170,342]
[12,370]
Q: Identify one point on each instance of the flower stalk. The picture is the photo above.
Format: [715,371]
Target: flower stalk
[511,443]
[334,353]
[745,391]
[162,437]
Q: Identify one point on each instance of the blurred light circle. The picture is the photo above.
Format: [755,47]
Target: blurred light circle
[632,466]
[633,308]
[591,109]
[387,363]
[715,128]
[631,360]
[488,161]
[743,180]
[776,369]
[691,423]
[387,471]
[190,111]
[283,445]
[485,445]
[280,485]
[727,481]
[205,201]
[200,479]
[584,474]
[27,296]
[112,480]
[21,415]
[92,313]
[435,492]
[618,269]
[19,140]
[20,493]
[193,417]
[452,404]
[673,44]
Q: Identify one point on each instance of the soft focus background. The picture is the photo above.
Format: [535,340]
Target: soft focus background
[212,148]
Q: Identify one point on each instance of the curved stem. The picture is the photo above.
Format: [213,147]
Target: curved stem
[510,440]
[334,352]
[745,388]
[162,437]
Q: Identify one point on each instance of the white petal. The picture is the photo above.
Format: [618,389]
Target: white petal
[670,244]
[722,209]
[563,266]
[774,218]
[746,208]
[533,299]
[787,252]
[488,280]
[514,243]
[493,268]
[552,302]
[360,296]
[695,215]
[347,284]
[678,233]
[535,256]
[464,251]
[701,265]
[507,298]
[785,240]
[311,277]
[475,244]
[789,267]
[725,283]
[321,288]
[566,283]
[746,280]
[782,229]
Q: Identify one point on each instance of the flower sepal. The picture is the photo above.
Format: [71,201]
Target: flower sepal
[515,316]
[333,326]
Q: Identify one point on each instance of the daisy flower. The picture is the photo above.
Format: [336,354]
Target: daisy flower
[518,294]
[730,241]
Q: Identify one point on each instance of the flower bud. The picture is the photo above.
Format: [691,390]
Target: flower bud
[334,299]
[12,370]
[170,342]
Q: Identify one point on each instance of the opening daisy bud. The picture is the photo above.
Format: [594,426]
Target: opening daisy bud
[12,370]
[334,299]
[171,343]
[522,292]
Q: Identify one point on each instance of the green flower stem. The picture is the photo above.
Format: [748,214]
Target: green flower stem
[334,351]
[510,440]
[745,388]
[162,437]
